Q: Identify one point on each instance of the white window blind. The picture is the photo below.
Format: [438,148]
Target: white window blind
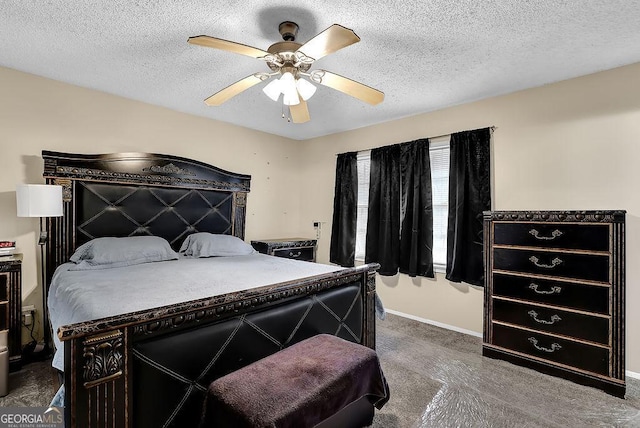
[364,161]
[439,156]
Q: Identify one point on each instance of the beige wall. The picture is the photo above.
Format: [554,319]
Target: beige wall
[37,114]
[570,145]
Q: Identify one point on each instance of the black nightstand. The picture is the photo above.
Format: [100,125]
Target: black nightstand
[11,306]
[289,248]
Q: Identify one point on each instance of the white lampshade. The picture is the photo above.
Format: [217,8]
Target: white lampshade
[305,89]
[273,89]
[289,90]
[39,200]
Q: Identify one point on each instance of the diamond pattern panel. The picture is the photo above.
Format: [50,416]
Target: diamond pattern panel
[186,362]
[107,209]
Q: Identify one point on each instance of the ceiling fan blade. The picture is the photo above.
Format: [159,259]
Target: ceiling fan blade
[300,112]
[330,40]
[349,87]
[225,45]
[232,90]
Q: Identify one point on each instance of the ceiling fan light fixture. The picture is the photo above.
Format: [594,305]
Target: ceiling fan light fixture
[291,99]
[289,89]
[305,89]
[273,89]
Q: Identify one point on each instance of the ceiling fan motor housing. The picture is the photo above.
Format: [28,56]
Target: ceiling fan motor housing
[288,31]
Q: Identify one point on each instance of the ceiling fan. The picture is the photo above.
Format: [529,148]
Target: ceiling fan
[291,61]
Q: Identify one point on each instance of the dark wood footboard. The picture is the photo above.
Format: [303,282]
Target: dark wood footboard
[151,368]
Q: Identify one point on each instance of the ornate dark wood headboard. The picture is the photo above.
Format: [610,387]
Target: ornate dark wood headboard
[129,194]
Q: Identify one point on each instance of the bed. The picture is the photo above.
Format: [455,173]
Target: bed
[148,365]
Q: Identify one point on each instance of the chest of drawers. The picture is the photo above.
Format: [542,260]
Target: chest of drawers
[554,293]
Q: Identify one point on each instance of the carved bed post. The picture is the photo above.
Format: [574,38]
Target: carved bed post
[369,338]
[240,211]
[98,393]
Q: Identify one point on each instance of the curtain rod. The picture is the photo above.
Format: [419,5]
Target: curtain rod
[491,128]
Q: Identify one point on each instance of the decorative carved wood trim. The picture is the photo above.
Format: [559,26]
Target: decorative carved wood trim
[239,213]
[294,244]
[143,168]
[241,199]
[369,334]
[103,358]
[169,168]
[114,176]
[67,190]
[557,216]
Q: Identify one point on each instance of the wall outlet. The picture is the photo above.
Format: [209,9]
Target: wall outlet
[317,225]
[28,312]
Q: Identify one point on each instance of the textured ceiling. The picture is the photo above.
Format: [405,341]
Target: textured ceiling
[424,55]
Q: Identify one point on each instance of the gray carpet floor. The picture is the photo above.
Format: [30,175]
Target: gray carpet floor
[34,385]
[438,378]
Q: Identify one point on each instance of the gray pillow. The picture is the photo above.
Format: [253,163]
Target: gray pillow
[204,244]
[103,253]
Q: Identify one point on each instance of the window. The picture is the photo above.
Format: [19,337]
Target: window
[364,161]
[439,155]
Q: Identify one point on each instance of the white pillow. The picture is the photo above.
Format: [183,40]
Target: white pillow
[204,244]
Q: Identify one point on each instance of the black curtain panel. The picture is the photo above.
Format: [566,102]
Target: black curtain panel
[383,224]
[469,196]
[345,210]
[416,237]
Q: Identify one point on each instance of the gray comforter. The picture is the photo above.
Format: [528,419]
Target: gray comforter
[77,296]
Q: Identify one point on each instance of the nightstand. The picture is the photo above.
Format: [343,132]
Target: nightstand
[289,248]
[11,306]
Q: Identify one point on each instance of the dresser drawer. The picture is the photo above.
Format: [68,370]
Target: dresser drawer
[591,298]
[594,237]
[299,253]
[580,326]
[590,267]
[575,354]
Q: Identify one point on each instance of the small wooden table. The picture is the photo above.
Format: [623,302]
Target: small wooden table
[11,306]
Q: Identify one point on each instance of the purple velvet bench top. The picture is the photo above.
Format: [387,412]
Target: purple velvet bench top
[299,386]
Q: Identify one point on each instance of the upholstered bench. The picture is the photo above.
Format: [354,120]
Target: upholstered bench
[321,381]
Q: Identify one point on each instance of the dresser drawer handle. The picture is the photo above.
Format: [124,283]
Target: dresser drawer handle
[554,318]
[294,255]
[555,289]
[536,261]
[555,234]
[554,346]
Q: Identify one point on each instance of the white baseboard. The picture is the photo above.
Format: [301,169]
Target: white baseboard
[632,374]
[629,373]
[436,323]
